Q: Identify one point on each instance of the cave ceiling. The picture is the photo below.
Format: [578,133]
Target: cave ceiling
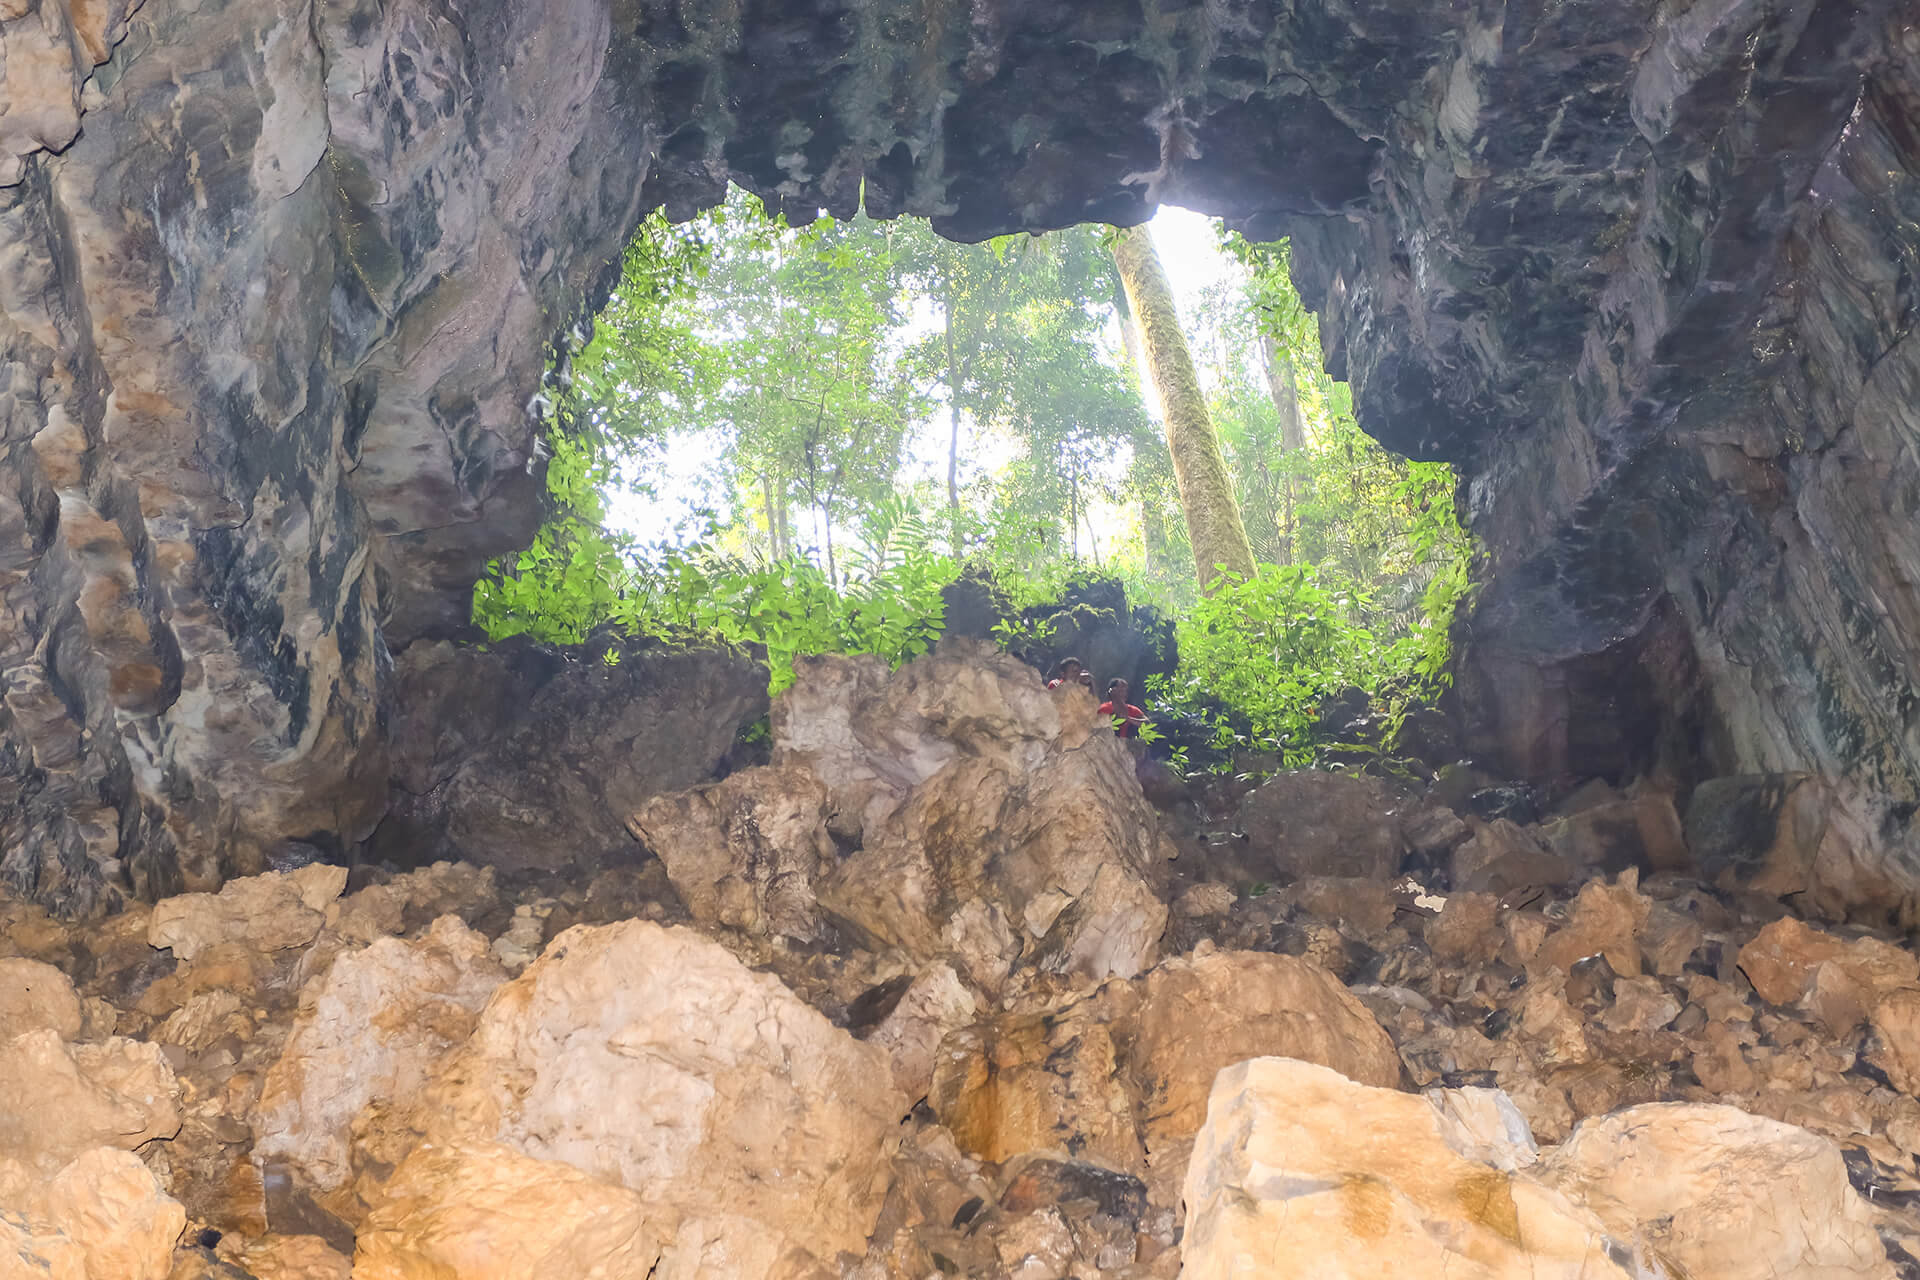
[279,280]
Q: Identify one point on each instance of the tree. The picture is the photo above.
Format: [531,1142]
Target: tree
[1018,356]
[1206,490]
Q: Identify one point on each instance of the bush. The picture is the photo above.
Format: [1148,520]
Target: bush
[1258,658]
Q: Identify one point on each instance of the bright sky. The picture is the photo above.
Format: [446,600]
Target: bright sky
[1189,248]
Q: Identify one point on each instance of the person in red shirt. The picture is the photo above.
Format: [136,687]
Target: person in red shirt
[1071,671]
[1117,706]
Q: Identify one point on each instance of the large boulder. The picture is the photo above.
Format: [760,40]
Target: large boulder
[1299,1173]
[1307,822]
[1836,849]
[1120,1077]
[1789,960]
[1198,1014]
[528,757]
[104,1216]
[271,912]
[483,1211]
[873,735]
[745,851]
[652,1059]
[60,1100]
[992,820]
[371,1030]
[1714,1193]
[35,995]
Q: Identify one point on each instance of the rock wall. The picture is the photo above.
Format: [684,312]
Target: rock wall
[279,279]
[1659,307]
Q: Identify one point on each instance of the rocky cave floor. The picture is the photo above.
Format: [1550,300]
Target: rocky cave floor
[937,993]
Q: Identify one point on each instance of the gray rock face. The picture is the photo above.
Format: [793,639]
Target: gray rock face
[1309,823]
[526,757]
[268,328]
[277,281]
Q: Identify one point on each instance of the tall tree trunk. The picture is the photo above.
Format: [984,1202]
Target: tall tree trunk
[1206,489]
[1073,507]
[953,409]
[773,521]
[1285,391]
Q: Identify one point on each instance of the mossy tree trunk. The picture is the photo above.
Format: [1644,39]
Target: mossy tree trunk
[1285,391]
[1206,489]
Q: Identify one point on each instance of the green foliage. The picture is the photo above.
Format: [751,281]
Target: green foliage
[1258,656]
[575,575]
[800,367]
[790,609]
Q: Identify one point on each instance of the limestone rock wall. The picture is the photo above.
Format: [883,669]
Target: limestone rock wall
[268,329]
[278,279]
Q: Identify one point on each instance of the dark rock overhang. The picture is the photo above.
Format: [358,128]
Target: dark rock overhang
[279,282]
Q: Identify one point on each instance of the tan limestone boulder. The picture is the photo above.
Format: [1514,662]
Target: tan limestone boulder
[483,1211]
[934,1004]
[104,1216]
[1604,919]
[1896,1024]
[1199,1014]
[1502,858]
[993,820]
[34,996]
[205,1019]
[1068,849]
[873,735]
[1668,940]
[269,912]
[1714,1193]
[1467,929]
[1121,1077]
[744,852]
[1784,962]
[278,1257]
[370,1031]
[653,1059]
[1301,1174]
[59,1100]
[1040,1082]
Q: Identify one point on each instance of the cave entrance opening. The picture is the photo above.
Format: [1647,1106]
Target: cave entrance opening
[804,437]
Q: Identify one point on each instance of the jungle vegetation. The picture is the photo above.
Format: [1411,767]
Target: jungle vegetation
[847,416]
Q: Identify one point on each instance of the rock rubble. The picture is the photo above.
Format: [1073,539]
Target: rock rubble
[1493,1051]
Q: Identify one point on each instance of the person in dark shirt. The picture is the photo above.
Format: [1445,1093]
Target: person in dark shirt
[1117,706]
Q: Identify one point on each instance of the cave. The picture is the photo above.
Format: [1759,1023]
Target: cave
[280,281]
[279,284]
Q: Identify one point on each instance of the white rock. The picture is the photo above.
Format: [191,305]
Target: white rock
[653,1059]
[1717,1194]
[371,1029]
[1301,1174]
